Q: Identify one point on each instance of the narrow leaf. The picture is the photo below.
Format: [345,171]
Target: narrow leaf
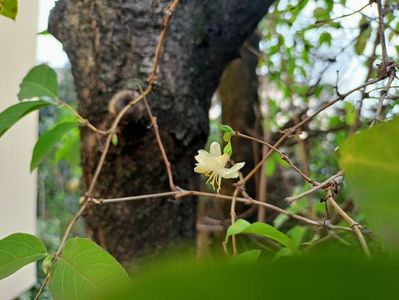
[40,82]
[12,114]
[18,250]
[83,271]
[9,8]
[48,140]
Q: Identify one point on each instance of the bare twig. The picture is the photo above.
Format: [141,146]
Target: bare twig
[282,154]
[355,226]
[325,183]
[383,94]
[247,200]
[82,121]
[381,31]
[345,15]
[168,12]
[233,218]
[41,289]
[160,144]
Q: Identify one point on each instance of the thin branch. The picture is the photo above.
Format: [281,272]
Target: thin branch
[383,94]
[41,289]
[160,144]
[82,121]
[168,12]
[381,31]
[69,228]
[233,218]
[325,183]
[185,193]
[345,15]
[282,154]
[355,226]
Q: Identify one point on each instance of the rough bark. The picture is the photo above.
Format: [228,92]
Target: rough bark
[110,45]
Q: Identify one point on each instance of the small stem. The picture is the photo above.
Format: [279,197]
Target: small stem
[41,289]
[247,200]
[283,156]
[83,121]
[381,31]
[354,225]
[383,95]
[69,228]
[160,144]
[233,218]
[325,183]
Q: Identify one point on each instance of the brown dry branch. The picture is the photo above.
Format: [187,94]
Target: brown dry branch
[282,154]
[381,33]
[160,144]
[82,121]
[383,94]
[246,200]
[320,186]
[352,223]
[345,15]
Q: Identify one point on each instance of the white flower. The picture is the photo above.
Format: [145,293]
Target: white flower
[213,164]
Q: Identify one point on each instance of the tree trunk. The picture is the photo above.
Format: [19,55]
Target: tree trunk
[111,44]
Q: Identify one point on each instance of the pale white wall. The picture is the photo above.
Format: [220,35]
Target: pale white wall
[17,185]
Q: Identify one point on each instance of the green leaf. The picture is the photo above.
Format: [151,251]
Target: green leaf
[18,250]
[69,149]
[263,229]
[247,256]
[47,141]
[370,161]
[9,8]
[362,40]
[84,270]
[226,128]
[40,82]
[325,38]
[14,113]
[114,139]
[228,149]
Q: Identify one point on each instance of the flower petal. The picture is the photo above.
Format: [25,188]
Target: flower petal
[201,169]
[214,149]
[233,171]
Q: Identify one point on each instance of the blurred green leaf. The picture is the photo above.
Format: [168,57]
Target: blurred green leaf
[9,8]
[84,270]
[41,81]
[247,256]
[115,139]
[283,279]
[14,113]
[325,38]
[47,141]
[370,161]
[259,228]
[226,128]
[69,149]
[362,40]
[18,250]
